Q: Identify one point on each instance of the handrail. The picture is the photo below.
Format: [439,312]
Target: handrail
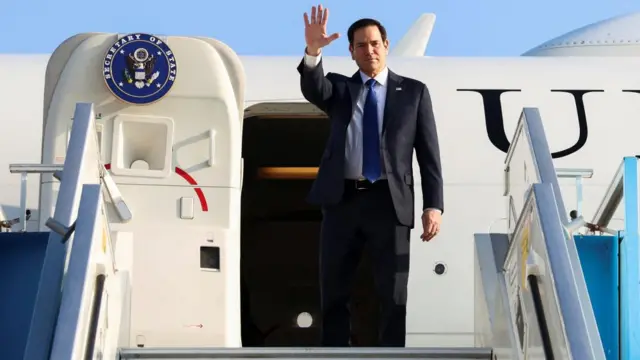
[611,200]
[545,336]
[78,170]
[96,309]
[540,230]
[530,137]
[57,317]
[122,209]
[529,162]
[35,168]
[80,291]
[24,170]
[577,175]
[574,173]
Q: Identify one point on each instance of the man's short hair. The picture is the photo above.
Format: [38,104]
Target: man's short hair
[362,23]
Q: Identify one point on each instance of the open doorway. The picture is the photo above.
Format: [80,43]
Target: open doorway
[280,234]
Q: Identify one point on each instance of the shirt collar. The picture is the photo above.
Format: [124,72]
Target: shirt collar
[380,78]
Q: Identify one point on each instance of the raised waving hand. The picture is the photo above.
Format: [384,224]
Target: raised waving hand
[315,30]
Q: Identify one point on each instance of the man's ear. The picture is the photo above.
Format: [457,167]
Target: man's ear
[386,46]
[351,52]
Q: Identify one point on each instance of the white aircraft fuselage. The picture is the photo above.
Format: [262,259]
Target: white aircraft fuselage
[589,105]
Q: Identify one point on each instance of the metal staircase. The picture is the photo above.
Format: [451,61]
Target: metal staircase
[534,269]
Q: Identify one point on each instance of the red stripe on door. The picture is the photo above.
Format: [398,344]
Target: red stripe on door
[191,181]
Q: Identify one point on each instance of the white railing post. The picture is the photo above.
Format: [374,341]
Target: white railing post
[24,170]
[577,175]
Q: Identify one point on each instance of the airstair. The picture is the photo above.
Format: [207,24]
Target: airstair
[89,318]
[542,292]
[540,295]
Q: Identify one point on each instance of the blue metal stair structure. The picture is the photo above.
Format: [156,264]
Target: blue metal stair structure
[611,266]
[21,259]
[599,259]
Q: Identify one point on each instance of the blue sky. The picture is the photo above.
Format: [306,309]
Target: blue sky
[463,27]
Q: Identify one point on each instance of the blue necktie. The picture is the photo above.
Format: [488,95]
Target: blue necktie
[371,166]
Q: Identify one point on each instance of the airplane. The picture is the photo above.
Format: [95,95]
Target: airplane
[581,81]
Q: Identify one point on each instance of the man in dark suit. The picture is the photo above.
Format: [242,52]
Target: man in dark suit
[365,180]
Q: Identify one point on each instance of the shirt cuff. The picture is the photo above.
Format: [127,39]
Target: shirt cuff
[436,209]
[311,61]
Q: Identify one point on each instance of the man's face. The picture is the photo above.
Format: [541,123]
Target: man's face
[368,50]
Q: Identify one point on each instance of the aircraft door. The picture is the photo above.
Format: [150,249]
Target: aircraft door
[169,118]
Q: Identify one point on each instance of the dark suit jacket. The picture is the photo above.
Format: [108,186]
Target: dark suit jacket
[408,124]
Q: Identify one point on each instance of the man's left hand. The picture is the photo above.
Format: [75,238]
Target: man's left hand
[431,220]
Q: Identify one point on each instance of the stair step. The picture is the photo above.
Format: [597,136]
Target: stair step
[307,353]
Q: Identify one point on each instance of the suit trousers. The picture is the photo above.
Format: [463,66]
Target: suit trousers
[363,220]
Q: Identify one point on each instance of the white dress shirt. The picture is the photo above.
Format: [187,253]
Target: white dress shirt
[353,148]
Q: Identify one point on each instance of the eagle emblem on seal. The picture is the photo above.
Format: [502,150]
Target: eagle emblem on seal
[140,68]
